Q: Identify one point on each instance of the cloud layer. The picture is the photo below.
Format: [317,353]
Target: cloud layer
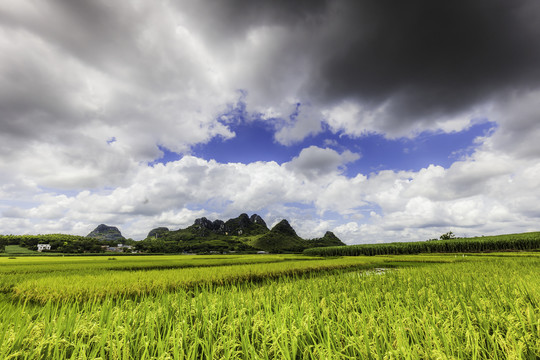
[480,195]
[91,91]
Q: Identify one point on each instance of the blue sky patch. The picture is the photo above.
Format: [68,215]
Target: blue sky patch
[254,141]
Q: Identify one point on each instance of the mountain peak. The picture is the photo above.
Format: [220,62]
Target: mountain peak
[106,233]
[244,225]
[281,238]
[284,227]
[256,219]
[329,239]
[242,233]
[157,232]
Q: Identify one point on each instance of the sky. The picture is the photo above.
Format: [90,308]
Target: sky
[378,120]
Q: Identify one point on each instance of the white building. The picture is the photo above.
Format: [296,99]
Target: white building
[41,247]
[120,248]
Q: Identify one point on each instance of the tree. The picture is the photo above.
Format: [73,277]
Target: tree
[449,235]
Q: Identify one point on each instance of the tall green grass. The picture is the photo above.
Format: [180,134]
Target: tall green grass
[98,285]
[487,308]
[524,241]
[130,263]
[14,271]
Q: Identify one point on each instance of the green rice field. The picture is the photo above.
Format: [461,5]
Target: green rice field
[428,306]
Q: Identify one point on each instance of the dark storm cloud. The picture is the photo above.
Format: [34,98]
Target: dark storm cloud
[434,58]
[424,59]
[231,18]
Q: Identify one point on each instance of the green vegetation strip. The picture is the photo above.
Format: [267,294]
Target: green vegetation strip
[17,250]
[83,287]
[122,263]
[488,308]
[511,242]
[15,271]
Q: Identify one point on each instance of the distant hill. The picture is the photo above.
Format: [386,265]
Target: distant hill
[282,237]
[157,232]
[329,239]
[106,233]
[241,234]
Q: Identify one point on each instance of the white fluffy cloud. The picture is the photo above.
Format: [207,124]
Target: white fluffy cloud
[483,194]
[73,76]
[315,162]
[397,205]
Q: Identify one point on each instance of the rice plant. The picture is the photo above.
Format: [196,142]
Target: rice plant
[97,285]
[441,307]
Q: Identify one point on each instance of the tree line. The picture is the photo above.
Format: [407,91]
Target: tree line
[511,242]
[60,243]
